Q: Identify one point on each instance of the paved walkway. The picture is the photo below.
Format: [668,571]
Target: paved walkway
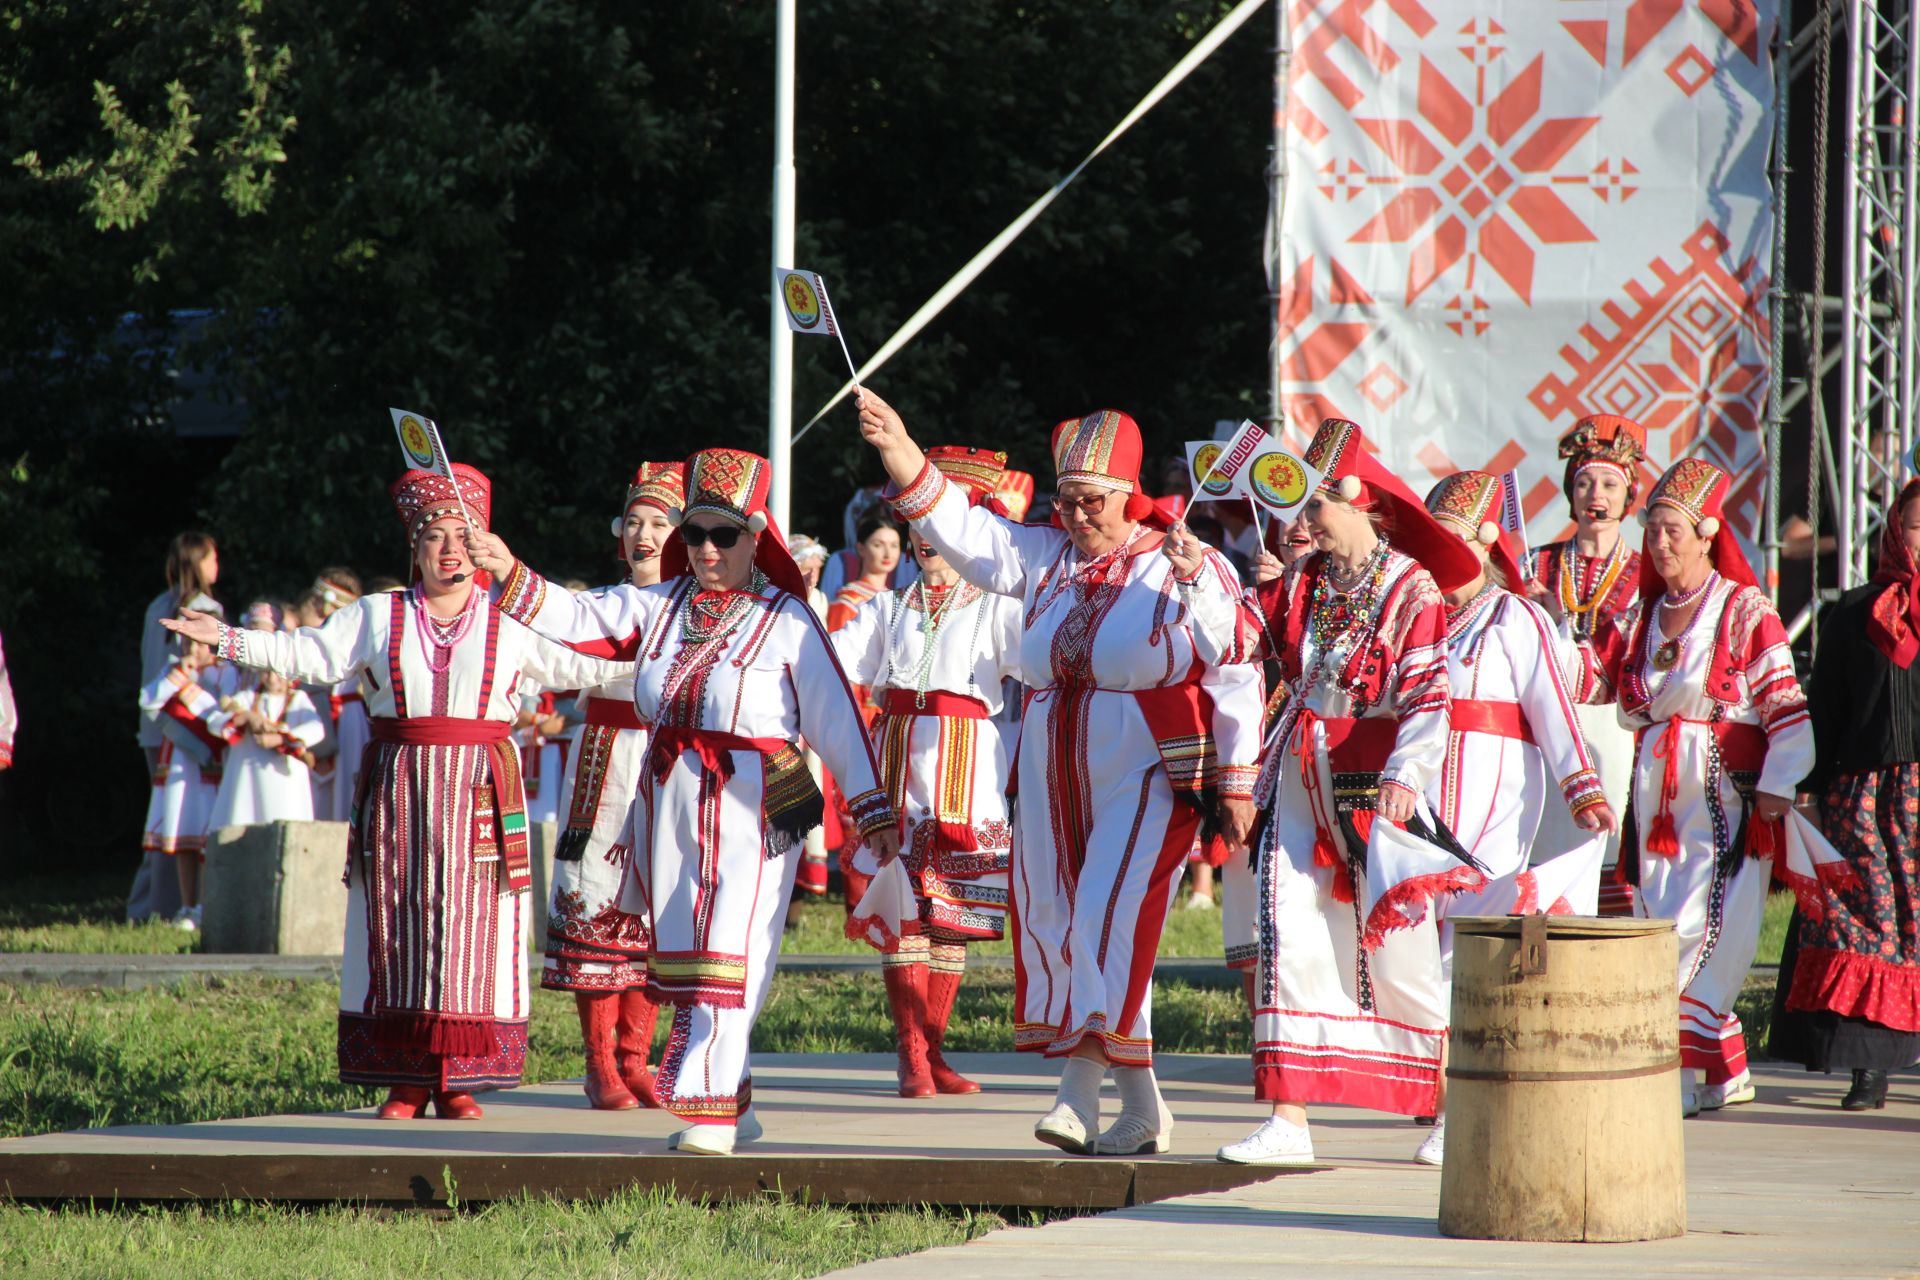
[1785,1186]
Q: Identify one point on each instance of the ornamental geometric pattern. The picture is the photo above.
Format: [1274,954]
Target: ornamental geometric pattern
[1501,218]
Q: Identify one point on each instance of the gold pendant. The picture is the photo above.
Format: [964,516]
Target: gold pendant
[1666,655]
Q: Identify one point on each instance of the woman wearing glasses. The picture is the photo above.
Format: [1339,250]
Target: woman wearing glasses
[733,668]
[1132,734]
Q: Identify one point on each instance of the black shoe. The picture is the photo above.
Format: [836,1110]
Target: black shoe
[1869,1092]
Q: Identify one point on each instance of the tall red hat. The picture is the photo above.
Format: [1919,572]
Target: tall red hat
[978,471]
[733,484]
[1104,449]
[1013,495]
[1697,490]
[1604,440]
[1469,501]
[1350,472]
[660,484]
[421,497]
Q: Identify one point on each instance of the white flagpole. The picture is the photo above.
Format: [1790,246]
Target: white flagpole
[780,381]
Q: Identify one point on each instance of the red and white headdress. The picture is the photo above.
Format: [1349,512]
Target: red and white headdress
[1604,440]
[1697,490]
[660,484]
[421,497]
[1104,449]
[1470,502]
[978,471]
[733,484]
[1013,495]
[1350,471]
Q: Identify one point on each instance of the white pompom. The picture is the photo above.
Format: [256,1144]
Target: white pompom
[1641,516]
[1489,533]
[1350,488]
[1709,527]
[676,516]
[757,522]
[619,526]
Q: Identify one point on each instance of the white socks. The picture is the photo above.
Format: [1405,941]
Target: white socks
[1139,1093]
[1080,1086]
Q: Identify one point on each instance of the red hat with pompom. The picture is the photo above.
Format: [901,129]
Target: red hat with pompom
[1350,472]
[1469,503]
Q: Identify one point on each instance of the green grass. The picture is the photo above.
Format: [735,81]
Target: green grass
[1773,928]
[822,931]
[628,1235]
[84,914]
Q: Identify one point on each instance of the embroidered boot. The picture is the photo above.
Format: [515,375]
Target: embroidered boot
[638,1013]
[404,1102]
[599,1019]
[947,964]
[907,1000]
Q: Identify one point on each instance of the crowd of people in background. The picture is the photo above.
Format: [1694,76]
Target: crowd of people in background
[995,712]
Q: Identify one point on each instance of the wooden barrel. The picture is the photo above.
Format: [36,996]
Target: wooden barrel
[1563,1091]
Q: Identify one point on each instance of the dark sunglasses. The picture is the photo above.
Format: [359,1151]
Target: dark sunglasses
[724,537]
[1091,505]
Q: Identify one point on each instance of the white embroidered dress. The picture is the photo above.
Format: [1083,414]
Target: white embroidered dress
[1131,724]
[727,694]
[264,784]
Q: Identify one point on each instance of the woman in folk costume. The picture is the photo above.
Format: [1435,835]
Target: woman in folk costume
[433,996]
[184,701]
[271,729]
[1514,740]
[595,949]
[1348,992]
[1849,990]
[1587,581]
[1701,670]
[1132,733]
[733,670]
[855,559]
[338,757]
[937,655]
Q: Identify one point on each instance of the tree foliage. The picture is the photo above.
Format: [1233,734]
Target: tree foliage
[547,225]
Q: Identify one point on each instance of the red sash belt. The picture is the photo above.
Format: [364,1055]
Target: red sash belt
[1743,749]
[714,748]
[903,702]
[499,806]
[438,731]
[1502,719]
[337,701]
[615,713]
[1354,746]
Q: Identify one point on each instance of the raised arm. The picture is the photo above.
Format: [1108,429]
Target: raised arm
[989,551]
[861,645]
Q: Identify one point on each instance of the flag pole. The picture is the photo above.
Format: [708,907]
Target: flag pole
[780,380]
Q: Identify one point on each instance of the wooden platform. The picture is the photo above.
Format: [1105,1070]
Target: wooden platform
[835,1133]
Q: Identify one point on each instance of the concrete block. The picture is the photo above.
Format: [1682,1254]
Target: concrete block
[274,889]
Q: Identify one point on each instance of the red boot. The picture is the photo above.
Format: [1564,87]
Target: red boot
[404,1102]
[456,1106]
[638,1012]
[907,1000]
[599,1017]
[942,986]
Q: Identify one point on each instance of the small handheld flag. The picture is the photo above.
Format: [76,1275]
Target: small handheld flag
[423,450]
[1512,518]
[803,295]
[1280,482]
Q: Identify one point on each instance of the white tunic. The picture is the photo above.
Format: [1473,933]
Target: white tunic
[260,784]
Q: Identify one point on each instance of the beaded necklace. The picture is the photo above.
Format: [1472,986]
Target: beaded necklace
[438,638]
[1570,601]
[1338,613]
[1668,654]
[711,615]
[1461,616]
[934,614]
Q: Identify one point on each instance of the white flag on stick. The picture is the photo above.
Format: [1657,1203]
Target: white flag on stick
[1280,482]
[1512,518]
[1218,469]
[421,446]
[809,310]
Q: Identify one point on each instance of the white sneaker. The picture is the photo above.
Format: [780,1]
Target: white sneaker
[704,1140]
[1065,1128]
[747,1128]
[1131,1135]
[1198,902]
[188,921]
[1712,1097]
[1434,1150]
[1277,1141]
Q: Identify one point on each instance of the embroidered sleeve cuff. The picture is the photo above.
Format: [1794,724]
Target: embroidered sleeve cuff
[1236,780]
[871,812]
[522,593]
[918,499]
[6,756]
[1583,791]
[232,644]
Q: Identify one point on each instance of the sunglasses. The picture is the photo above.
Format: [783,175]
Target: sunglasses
[1092,505]
[725,537]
